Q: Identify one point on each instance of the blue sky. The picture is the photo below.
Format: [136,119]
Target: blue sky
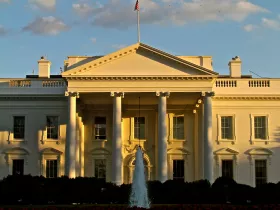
[220,28]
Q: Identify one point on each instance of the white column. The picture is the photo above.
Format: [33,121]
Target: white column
[195,146]
[208,141]
[117,138]
[70,146]
[78,142]
[82,147]
[162,137]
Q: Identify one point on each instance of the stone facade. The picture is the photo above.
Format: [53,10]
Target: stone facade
[191,122]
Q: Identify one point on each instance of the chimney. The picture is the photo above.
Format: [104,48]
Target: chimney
[44,67]
[235,67]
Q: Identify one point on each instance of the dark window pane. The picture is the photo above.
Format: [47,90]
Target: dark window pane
[179,170]
[19,127]
[260,127]
[227,168]
[260,172]
[226,127]
[139,127]
[52,127]
[51,168]
[100,127]
[178,127]
[18,167]
[100,169]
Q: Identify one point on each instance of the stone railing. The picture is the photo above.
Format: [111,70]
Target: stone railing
[226,83]
[259,83]
[53,83]
[251,83]
[20,83]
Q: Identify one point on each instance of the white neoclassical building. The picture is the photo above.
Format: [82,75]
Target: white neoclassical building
[191,122]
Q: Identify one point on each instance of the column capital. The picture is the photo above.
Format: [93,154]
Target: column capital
[72,94]
[163,94]
[208,94]
[117,94]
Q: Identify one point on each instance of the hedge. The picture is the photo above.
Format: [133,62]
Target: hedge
[28,190]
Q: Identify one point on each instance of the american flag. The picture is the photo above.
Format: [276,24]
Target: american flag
[136,6]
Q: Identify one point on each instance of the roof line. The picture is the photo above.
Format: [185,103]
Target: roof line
[179,59]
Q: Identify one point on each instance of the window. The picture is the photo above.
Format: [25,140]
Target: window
[51,168]
[18,167]
[139,128]
[227,168]
[100,168]
[52,127]
[179,170]
[260,172]
[260,127]
[100,128]
[19,127]
[226,127]
[178,127]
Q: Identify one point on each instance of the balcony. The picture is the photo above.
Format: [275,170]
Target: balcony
[32,86]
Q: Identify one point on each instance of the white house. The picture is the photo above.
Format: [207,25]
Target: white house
[191,122]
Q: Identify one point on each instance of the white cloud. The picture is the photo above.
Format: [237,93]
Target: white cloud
[5,1]
[46,26]
[250,27]
[121,14]
[42,4]
[3,31]
[119,46]
[93,40]
[271,24]
[82,9]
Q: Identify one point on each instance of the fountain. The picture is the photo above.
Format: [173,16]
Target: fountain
[139,192]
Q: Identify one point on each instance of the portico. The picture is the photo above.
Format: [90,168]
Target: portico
[168,86]
[119,110]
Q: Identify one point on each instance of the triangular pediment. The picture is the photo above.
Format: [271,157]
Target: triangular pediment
[138,60]
[180,151]
[51,150]
[226,151]
[16,150]
[260,151]
[100,151]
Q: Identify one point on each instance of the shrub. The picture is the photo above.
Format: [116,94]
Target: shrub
[26,190]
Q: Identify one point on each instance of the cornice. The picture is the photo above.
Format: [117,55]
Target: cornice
[103,60]
[33,98]
[249,98]
[133,78]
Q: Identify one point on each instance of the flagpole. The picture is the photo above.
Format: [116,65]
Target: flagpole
[138,24]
